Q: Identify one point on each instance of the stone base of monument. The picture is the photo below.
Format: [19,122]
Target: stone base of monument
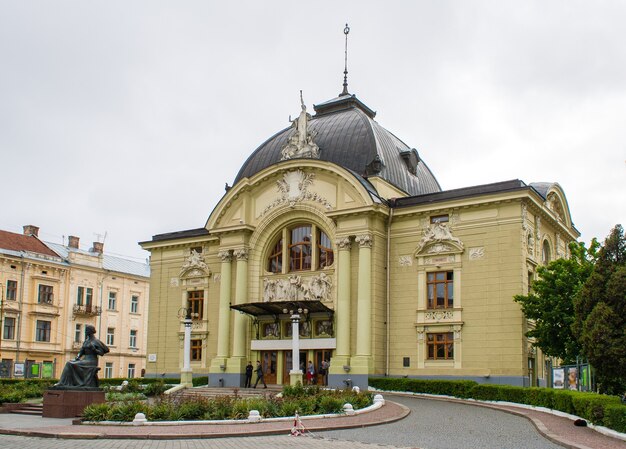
[65,403]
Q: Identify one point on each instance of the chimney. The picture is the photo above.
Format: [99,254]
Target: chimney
[73,241]
[31,230]
[98,247]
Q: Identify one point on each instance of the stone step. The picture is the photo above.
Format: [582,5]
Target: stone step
[29,409]
[212,392]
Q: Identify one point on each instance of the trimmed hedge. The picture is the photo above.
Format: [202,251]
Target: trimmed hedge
[600,409]
[116,381]
[18,390]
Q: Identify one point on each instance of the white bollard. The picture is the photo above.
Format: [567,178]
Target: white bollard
[140,419]
[379,398]
[348,409]
[254,416]
[356,389]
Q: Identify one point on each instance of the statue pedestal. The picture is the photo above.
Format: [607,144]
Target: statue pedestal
[69,403]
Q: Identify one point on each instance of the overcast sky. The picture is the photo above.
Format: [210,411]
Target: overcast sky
[128,117]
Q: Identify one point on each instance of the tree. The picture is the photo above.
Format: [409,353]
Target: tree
[551,301]
[600,314]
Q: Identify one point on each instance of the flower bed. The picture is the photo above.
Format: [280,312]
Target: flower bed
[305,400]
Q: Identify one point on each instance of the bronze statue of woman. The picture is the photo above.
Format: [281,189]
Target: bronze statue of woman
[82,372]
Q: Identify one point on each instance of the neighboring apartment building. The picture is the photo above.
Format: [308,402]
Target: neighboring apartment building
[52,291]
[339,218]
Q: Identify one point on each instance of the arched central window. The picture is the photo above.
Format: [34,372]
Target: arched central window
[303,247]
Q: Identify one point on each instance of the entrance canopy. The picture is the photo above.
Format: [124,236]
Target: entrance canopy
[277,307]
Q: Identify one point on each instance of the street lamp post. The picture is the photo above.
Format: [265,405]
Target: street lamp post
[186,375]
[295,375]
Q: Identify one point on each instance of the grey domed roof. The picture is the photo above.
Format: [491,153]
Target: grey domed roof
[348,135]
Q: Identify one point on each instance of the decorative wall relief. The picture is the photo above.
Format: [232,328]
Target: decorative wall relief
[477,253]
[439,315]
[294,188]
[194,266]
[174,282]
[439,239]
[294,288]
[405,261]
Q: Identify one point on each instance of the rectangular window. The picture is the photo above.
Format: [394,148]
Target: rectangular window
[78,334]
[440,346]
[80,296]
[45,294]
[195,301]
[132,341]
[406,362]
[131,370]
[108,370]
[88,296]
[9,328]
[134,304]
[439,218]
[196,350]
[42,330]
[440,287]
[11,290]
[112,300]
[110,336]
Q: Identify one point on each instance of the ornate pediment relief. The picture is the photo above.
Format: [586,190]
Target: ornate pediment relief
[194,266]
[438,239]
[294,188]
[553,202]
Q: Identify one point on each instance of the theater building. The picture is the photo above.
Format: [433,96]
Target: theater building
[336,217]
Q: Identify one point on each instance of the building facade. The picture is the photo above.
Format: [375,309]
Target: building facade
[337,223]
[51,292]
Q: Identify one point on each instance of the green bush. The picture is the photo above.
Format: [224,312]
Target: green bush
[19,390]
[331,404]
[97,412]
[156,388]
[599,409]
[126,411]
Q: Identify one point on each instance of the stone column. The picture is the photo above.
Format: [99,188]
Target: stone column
[237,363]
[342,315]
[218,364]
[364,306]
[241,296]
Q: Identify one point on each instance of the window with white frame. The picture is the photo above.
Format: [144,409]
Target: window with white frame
[78,333]
[131,370]
[112,300]
[134,304]
[110,336]
[11,290]
[132,341]
[108,370]
[46,294]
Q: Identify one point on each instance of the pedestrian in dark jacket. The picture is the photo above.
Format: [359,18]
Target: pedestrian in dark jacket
[249,370]
[259,375]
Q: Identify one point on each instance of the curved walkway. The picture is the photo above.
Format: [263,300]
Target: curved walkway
[432,423]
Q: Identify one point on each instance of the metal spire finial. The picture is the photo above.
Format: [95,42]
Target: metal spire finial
[346,30]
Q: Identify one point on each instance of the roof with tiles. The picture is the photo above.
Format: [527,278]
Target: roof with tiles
[28,243]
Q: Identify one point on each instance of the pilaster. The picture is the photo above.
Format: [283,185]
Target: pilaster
[218,364]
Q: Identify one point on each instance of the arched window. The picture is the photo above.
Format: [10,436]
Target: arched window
[325,250]
[300,249]
[303,247]
[275,260]
[545,252]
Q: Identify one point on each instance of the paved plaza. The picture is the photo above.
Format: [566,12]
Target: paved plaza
[431,424]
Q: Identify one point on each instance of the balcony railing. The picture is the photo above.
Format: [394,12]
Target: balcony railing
[87,309]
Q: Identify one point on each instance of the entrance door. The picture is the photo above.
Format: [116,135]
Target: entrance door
[268,362]
[320,355]
[288,362]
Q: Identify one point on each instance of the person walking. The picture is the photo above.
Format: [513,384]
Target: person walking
[324,372]
[249,370]
[310,373]
[259,375]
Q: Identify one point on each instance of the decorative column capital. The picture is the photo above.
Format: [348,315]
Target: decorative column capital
[343,243]
[225,255]
[241,253]
[364,240]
